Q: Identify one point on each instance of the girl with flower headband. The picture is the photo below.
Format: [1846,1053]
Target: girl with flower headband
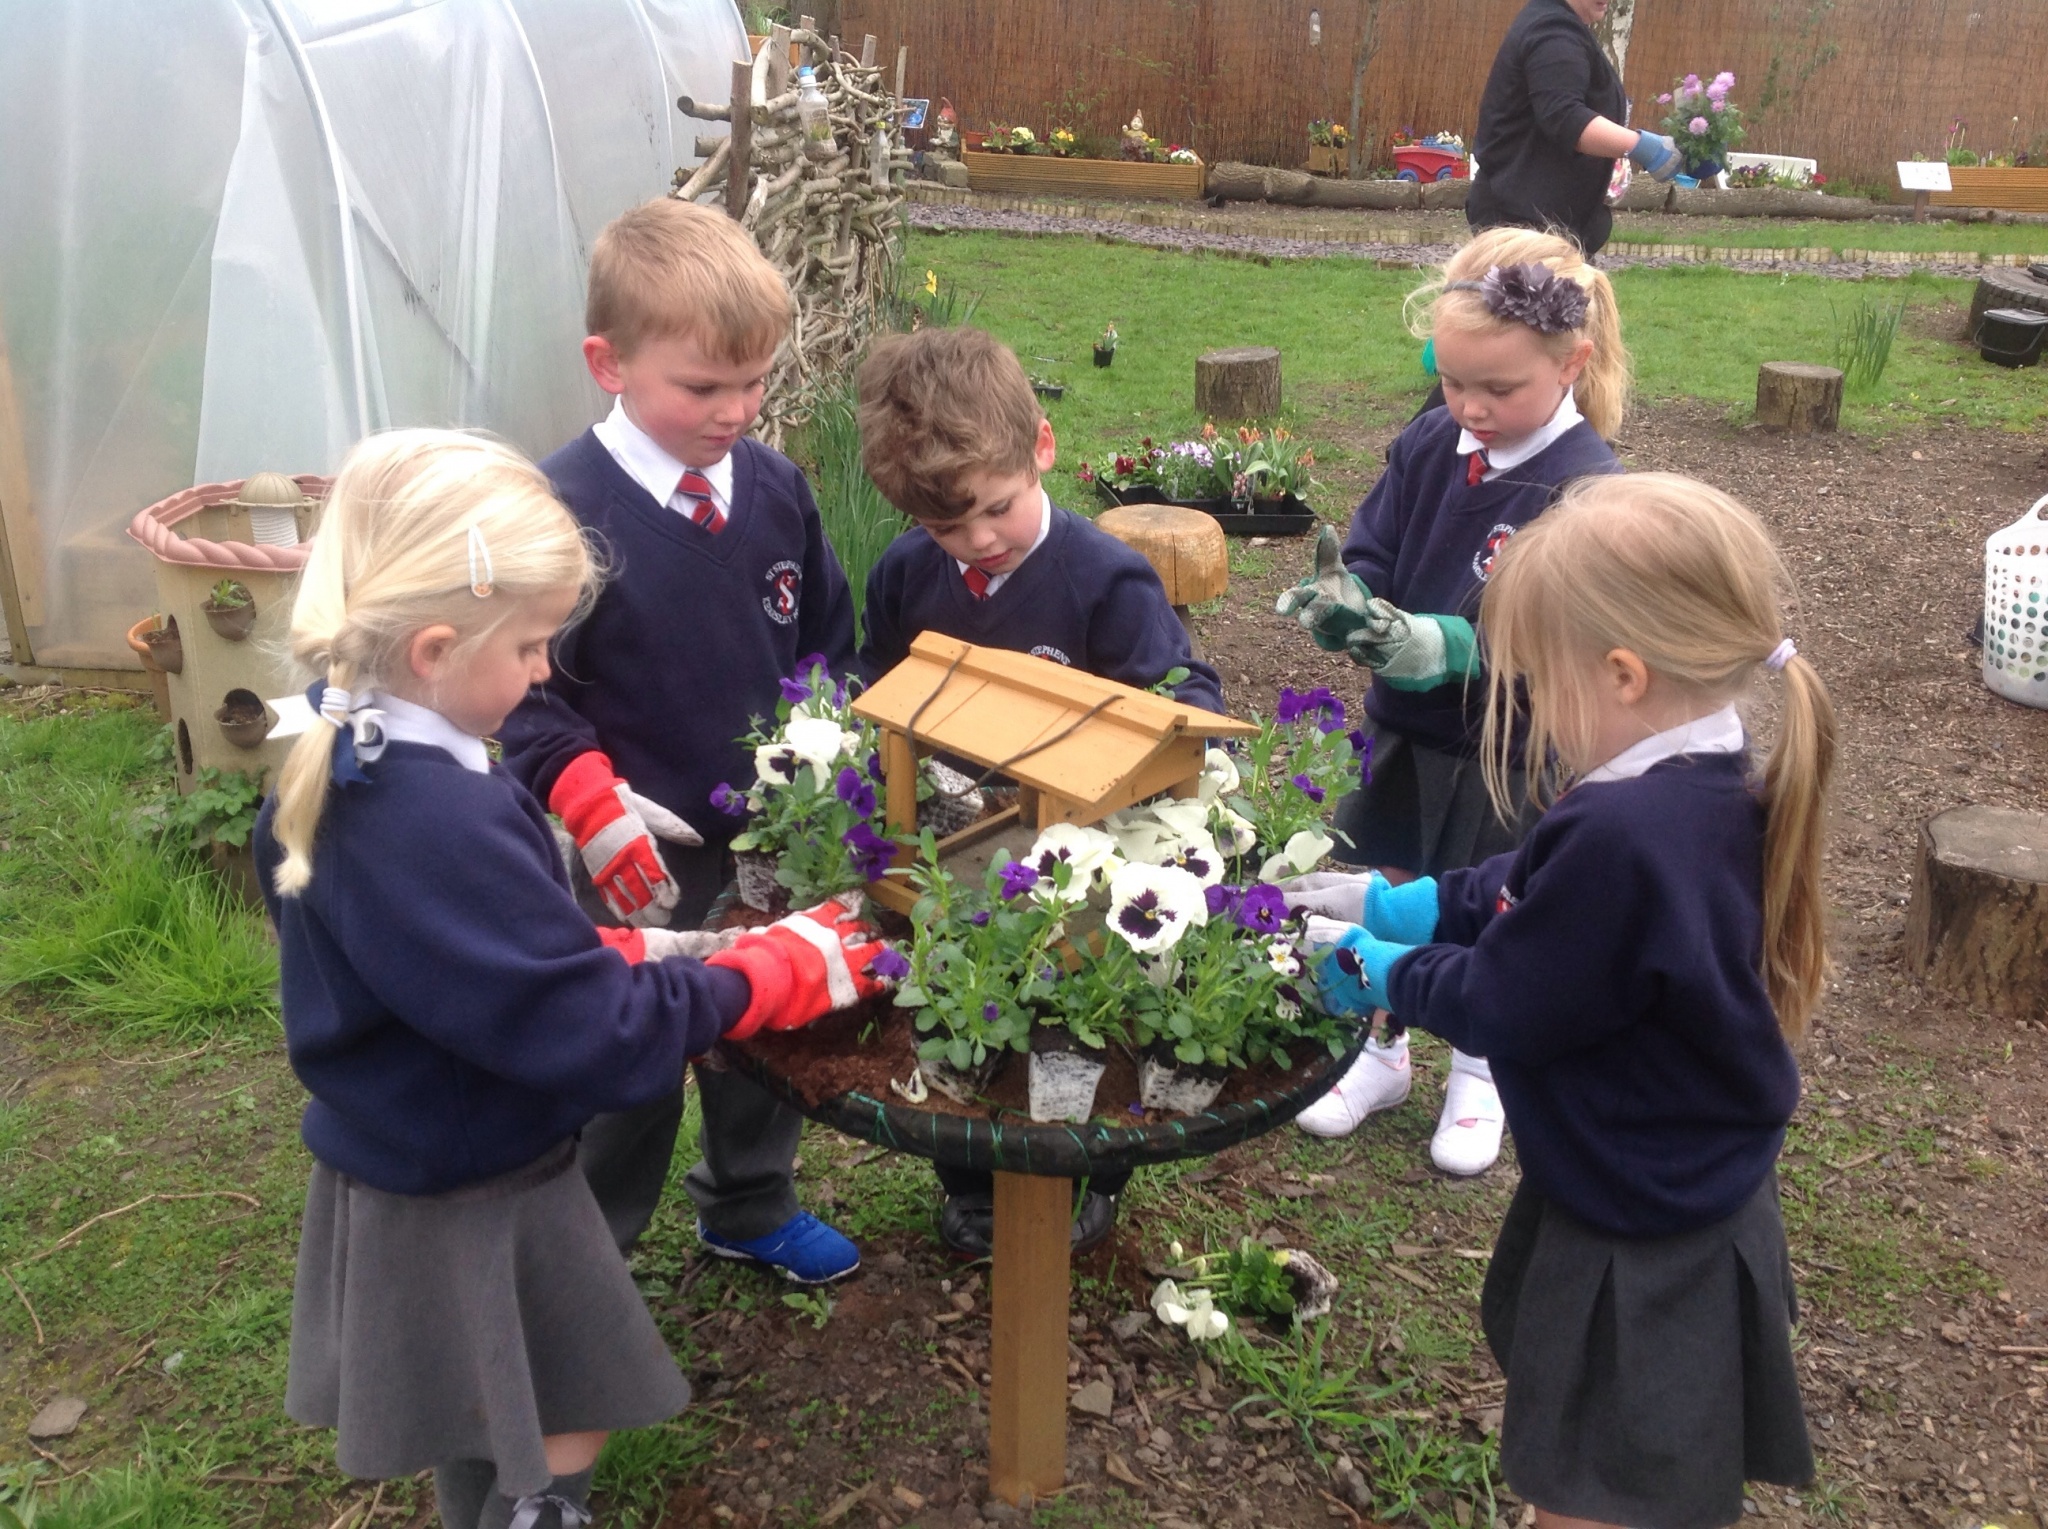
[1638,971]
[1535,378]
[460,1303]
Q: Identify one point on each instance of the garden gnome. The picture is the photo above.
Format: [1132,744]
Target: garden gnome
[1135,144]
[945,140]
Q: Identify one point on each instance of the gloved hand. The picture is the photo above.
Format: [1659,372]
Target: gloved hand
[1351,967]
[638,945]
[1333,602]
[1405,914]
[615,828]
[1414,652]
[804,967]
[1656,154]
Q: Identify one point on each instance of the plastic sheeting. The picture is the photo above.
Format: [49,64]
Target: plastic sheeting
[237,235]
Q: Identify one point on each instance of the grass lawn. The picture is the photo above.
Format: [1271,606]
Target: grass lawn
[1351,367]
[1827,233]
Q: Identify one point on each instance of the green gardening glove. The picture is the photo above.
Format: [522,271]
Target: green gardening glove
[1415,652]
[1333,603]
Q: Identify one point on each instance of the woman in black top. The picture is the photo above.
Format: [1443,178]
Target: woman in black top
[1550,128]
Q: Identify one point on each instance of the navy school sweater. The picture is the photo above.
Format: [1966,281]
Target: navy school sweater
[1610,970]
[688,639]
[1426,540]
[1082,599]
[1549,79]
[446,1003]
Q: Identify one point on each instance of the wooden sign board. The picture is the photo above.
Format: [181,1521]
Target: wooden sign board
[1924,175]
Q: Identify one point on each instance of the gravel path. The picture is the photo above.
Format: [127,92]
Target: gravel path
[1276,247]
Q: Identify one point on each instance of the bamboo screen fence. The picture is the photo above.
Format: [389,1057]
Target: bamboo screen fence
[1859,84]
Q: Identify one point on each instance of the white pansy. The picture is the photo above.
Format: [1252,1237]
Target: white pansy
[1243,836]
[1198,856]
[1091,854]
[1219,775]
[1280,955]
[1167,1305]
[1182,818]
[1204,1321]
[1152,906]
[1299,857]
[775,764]
[818,742]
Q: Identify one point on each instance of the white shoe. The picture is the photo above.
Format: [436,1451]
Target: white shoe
[1378,1080]
[1467,1139]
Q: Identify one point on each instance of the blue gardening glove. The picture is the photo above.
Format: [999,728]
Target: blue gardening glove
[1351,967]
[1657,155]
[1414,652]
[1405,914]
[1332,603]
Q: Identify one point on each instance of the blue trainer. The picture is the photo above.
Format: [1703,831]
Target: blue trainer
[803,1249]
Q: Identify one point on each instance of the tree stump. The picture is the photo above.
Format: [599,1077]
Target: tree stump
[1185,547]
[1238,384]
[1796,397]
[1978,921]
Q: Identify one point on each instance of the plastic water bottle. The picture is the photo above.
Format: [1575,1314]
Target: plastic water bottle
[812,115]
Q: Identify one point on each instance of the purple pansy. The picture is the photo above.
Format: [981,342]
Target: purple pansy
[991,1011]
[890,964]
[1262,909]
[728,801]
[870,851]
[979,919]
[1309,789]
[1018,878]
[1321,702]
[874,767]
[796,692]
[1222,899]
[852,788]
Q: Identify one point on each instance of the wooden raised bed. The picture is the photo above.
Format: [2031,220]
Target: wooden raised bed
[2011,188]
[1050,175]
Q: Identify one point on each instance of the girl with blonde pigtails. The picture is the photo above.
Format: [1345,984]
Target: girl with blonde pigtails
[1535,378]
[460,1304]
[1638,972]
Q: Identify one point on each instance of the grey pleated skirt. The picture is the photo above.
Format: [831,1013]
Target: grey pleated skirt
[1647,1380]
[1424,810]
[469,1325]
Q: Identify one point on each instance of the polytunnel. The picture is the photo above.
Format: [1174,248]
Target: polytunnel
[237,235]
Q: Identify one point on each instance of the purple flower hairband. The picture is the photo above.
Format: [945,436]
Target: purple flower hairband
[1531,294]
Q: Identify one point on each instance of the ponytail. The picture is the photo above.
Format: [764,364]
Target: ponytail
[422,527]
[1602,390]
[1795,785]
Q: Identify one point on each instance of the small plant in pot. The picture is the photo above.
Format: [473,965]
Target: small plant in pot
[230,609]
[244,719]
[1105,348]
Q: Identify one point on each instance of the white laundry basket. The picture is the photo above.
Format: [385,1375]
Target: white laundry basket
[2016,609]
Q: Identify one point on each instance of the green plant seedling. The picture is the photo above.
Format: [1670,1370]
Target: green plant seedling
[229,594]
[815,1304]
[221,808]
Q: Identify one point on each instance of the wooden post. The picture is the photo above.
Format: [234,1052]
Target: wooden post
[1919,207]
[868,43]
[1238,384]
[740,154]
[902,63]
[1796,397]
[899,783]
[779,68]
[1978,921]
[1185,547]
[1027,1408]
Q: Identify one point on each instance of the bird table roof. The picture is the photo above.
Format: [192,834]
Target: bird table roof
[1056,729]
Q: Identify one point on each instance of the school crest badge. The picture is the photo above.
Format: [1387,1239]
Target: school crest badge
[1482,560]
[785,592]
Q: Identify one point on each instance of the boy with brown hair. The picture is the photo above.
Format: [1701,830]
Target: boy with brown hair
[721,584]
[952,435]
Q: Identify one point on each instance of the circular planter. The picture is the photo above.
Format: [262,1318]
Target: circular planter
[2011,336]
[159,646]
[244,720]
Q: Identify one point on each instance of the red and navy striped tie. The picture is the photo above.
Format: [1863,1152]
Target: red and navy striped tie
[1475,469]
[703,508]
[977,583]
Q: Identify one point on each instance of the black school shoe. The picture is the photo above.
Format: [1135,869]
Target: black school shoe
[967,1223]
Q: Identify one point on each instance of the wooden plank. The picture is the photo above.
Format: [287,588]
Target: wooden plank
[21,557]
[2015,188]
[740,156]
[1048,175]
[1027,1406]
[899,784]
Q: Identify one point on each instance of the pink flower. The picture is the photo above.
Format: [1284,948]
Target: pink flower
[1664,99]
[1692,82]
[1697,125]
[1724,81]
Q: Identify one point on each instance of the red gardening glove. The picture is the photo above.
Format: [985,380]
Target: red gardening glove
[638,945]
[804,967]
[615,828]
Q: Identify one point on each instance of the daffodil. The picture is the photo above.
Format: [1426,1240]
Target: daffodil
[931,282]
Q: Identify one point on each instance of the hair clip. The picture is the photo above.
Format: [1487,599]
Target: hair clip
[481,577]
[1781,655]
[1531,294]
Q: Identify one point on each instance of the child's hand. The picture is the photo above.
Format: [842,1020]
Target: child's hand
[1415,652]
[1405,914]
[1351,967]
[804,967]
[615,828]
[1333,602]
[1657,154]
[638,945]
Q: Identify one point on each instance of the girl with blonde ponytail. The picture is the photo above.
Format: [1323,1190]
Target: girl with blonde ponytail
[1638,972]
[457,1019]
[1535,377]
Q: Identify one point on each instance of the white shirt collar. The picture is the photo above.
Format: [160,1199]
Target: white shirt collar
[405,722]
[1044,530]
[650,466]
[1500,458]
[1718,732]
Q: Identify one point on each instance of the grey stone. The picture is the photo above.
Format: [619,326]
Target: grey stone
[1097,1399]
[58,1418]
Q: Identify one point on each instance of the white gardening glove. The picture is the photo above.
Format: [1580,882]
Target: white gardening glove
[1329,894]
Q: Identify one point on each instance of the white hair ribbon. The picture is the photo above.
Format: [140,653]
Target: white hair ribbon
[1781,655]
[360,724]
